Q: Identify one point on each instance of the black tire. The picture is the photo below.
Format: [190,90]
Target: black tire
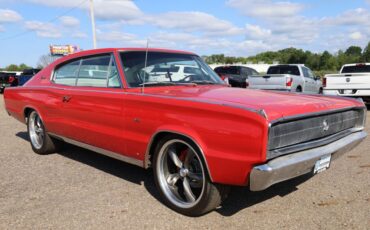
[299,89]
[321,91]
[211,195]
[45,144]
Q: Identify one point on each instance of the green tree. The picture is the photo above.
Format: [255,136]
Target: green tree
[12,67]
[354,51]
[366,54]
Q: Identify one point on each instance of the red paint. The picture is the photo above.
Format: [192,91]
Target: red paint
[223,121]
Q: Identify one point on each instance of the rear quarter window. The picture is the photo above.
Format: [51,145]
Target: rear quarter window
[293,70]
[356,69]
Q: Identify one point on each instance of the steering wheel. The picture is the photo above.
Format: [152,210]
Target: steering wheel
[190,78]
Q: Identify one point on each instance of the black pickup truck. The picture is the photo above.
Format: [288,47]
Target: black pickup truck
[7,80]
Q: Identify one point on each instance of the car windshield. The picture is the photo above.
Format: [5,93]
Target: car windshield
[228,70]
[293,70]
[356,69]
[161,68]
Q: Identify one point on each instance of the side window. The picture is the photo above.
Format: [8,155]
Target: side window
[310,74]
[94,71]
[305,72]
[113,76]
[67,74]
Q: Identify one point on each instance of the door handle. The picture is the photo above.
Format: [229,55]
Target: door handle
[66,98]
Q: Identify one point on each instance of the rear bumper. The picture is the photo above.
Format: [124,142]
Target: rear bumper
[355,93]
[293,165]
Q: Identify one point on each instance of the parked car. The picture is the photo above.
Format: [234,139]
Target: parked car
[236,76]
[353,80]
[7,79]
[196,133]
[292,78]
[26,75]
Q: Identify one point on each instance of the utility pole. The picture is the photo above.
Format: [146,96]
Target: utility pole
[93,22]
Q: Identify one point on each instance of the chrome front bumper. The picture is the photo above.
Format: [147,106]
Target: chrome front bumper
[300,163]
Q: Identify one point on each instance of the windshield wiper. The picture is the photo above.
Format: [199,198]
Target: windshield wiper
[155,83]
[167,83]
[203,82]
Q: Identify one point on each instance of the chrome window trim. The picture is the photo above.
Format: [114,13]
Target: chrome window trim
[52,77]
[130,51]
[104,152]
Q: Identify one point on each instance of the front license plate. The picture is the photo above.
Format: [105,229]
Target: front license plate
[322,164]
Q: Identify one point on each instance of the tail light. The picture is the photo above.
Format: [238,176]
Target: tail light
[324,82]
[223,77]
[11,79]
[289,82]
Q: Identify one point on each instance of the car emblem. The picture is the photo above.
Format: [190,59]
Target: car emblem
[325,125]
[348,79]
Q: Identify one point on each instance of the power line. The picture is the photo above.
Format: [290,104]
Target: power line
[51,20]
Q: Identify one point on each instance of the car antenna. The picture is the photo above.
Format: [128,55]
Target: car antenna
[145,64]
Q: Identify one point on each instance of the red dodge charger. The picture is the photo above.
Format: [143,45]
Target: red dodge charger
[168,110]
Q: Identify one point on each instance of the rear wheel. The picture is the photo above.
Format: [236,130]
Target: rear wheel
[299,89]
[41,142]
[182,179]
[321,91]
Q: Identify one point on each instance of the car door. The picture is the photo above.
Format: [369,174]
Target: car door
[307,88]
[315,87]
[93,105]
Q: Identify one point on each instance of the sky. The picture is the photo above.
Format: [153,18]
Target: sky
[232,27]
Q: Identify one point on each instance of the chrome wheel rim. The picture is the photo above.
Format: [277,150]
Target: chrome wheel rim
[180,173]
[36,130]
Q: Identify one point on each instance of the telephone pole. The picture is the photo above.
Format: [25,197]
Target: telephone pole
[93,23]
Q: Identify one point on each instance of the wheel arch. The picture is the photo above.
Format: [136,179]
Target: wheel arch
[27,111]
[162,133]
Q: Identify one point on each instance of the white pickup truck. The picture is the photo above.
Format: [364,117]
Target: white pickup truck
[353,80]
[292,78]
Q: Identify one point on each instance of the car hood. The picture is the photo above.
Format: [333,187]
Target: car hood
[276,105]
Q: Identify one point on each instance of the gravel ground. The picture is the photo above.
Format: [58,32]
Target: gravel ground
[76,189]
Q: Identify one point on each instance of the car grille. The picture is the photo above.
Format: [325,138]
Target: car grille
[296,132]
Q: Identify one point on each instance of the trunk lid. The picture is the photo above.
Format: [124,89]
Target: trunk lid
[269,81]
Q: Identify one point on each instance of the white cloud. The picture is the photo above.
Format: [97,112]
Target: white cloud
[43,29]
[79,35]
[69,21]
[352,17]
[104,9]
[255,31]
[356,36]
[7,15]
[194,21]
[266,8]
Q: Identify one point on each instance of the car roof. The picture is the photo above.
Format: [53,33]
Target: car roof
[110,50]
[356,64]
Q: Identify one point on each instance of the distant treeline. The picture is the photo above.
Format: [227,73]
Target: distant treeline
[14,67]
[318,62]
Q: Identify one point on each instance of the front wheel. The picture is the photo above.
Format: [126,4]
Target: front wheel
[182,179]
[41,142]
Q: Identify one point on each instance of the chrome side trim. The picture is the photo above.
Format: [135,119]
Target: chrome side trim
[147,162]
[108,153]
[75,88]
[299,163]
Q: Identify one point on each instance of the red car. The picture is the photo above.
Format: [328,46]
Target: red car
[198,134]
